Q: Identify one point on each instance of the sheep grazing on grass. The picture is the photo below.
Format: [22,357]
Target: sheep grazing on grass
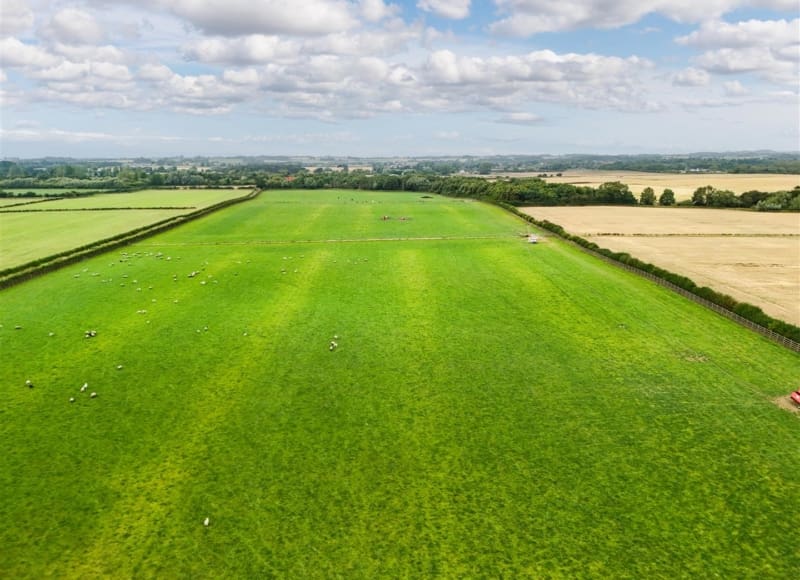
[84,387]
[72,399]
[93,395]
[90,334]
[119,367]
[206,522]
[333,345]
[29,384]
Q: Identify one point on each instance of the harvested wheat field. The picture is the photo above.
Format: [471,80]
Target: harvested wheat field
[683,184]
[754,257]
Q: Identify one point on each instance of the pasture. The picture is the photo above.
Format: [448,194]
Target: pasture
[34,231]
[752,256]
[195,198]
[683,184]
[493,408]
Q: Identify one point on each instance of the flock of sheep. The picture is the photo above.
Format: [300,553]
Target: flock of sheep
[126,257]
[92,333]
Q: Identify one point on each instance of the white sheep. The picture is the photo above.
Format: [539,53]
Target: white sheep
[72,399]
[84,387]
[206,522]
[93,395]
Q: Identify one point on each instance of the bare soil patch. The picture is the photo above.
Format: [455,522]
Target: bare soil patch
[752,256]
[785,402]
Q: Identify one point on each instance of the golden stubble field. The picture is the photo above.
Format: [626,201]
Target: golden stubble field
[683,184]
[752,256]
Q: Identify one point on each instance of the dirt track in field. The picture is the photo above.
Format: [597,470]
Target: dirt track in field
[752,256]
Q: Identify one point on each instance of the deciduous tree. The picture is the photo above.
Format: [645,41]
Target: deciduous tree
[647,197]
[667,197]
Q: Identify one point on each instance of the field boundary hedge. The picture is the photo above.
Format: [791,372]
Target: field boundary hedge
[176,207]
[21,273]
[776,330]
[29,202]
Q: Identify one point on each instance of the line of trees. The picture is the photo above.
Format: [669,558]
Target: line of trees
[531,191]
[709,196]
[515,191]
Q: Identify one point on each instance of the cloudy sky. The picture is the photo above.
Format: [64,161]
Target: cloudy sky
[117,78]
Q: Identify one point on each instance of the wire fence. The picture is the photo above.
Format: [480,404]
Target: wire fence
[766,332]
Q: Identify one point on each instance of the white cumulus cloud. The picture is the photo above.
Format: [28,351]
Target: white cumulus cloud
[734,89]
[73,26]
[14,53]
[769,49]
[691,77]
[254,48]
[15,17]
[237,17]
[520,118]
[716,33]
[455,9]
[526,17]
[375,10]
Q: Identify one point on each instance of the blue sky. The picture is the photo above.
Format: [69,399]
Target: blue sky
[103,78]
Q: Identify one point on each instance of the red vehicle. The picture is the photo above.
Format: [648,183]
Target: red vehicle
[796,396]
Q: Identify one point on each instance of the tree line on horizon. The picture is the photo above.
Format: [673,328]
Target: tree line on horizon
[533,190]
[511,190]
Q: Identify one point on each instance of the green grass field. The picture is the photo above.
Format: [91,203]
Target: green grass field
[35,231]
[28,236]
[493,409]
[146,198]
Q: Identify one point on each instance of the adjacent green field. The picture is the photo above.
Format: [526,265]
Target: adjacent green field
[144,199]
[36,233]
[493,409]
[28,236]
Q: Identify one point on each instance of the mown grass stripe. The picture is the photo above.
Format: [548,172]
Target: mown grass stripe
[151,502]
